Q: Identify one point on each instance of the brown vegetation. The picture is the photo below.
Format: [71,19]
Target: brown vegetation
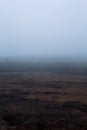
[43,101]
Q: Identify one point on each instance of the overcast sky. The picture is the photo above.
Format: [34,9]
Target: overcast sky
[43,27]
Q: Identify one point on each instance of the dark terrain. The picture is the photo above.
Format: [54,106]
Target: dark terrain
[43,97]
[43,100]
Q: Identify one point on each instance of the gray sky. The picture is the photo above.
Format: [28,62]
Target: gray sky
[43,27]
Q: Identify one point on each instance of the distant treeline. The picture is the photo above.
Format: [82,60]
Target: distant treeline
[65,68]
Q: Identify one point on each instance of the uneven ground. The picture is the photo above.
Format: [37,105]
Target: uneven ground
[43,101]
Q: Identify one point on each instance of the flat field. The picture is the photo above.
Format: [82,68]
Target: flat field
[43,101]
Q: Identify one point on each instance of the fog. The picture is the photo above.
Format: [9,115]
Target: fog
[43,28]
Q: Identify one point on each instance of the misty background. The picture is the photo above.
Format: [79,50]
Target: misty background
[43,28]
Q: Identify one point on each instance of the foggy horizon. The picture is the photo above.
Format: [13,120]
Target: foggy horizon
[43,64]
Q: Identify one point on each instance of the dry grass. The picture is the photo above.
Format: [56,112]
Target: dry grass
[30,97]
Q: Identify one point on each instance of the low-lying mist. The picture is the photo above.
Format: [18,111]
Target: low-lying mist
[52,64]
